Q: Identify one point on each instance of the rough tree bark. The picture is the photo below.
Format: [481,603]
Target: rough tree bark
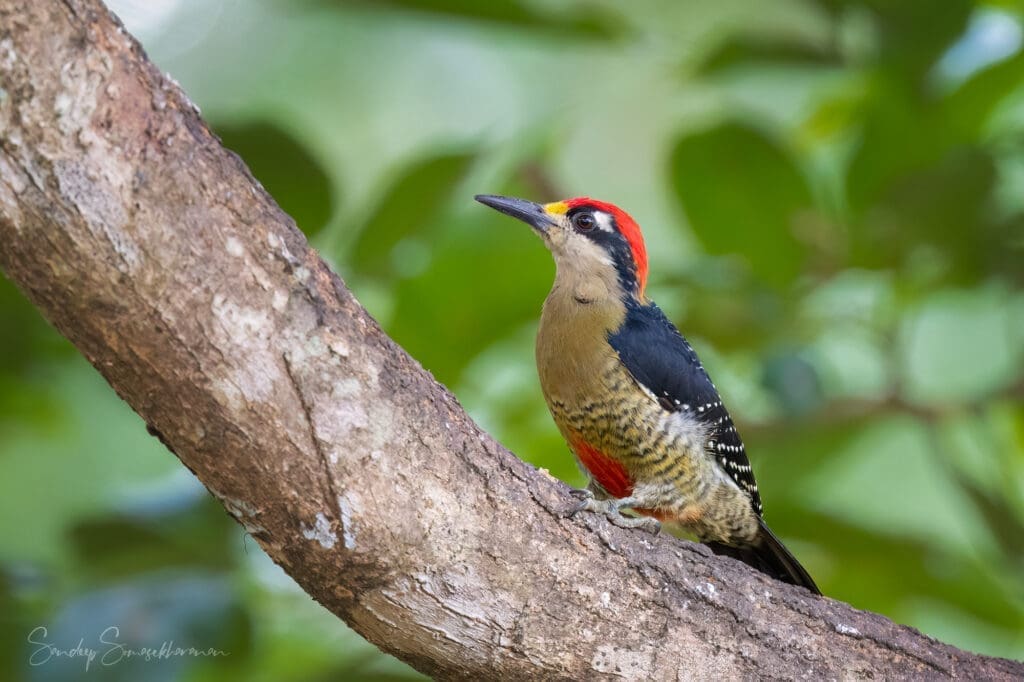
[154,250]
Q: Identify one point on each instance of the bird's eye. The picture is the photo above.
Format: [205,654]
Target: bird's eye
[584,222]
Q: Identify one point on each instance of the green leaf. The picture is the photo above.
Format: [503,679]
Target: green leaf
[761,51]
[913,33]
[958,347]
[944,206]
[410,207]
[95,456]
[743,195]
[596,23]
[288,171]
[200,534]
[489,276]
[968,108]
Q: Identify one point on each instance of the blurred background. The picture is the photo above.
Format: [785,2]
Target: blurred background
[833,197]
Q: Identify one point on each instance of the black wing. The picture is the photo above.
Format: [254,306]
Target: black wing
[660,359]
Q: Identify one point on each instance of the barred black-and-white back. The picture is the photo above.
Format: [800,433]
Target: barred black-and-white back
[664,363]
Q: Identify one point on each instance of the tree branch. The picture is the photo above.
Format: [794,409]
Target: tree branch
[154,250]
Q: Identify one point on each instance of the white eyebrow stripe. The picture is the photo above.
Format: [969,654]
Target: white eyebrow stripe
[604,220]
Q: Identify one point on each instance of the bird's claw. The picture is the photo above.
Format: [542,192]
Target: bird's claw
[611,509]
[586,499]
[647,524]
[644,523]
[583,494]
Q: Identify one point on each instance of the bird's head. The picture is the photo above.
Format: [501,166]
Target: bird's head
[587,237]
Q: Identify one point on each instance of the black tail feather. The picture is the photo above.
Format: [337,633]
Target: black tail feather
[771,557]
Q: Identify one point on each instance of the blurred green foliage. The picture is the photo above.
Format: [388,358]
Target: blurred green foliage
[831,193]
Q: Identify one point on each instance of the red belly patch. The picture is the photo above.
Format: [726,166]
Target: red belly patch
[609,474]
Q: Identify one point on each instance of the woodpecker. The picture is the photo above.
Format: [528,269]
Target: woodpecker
[631,397]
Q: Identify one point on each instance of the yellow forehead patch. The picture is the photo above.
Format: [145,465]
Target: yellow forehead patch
[557,208]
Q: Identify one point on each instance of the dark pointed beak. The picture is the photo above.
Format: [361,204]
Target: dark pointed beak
[530,213]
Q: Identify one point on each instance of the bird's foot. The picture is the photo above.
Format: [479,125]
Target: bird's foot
[611,509]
